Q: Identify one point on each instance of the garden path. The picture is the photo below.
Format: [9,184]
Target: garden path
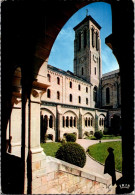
[91,164]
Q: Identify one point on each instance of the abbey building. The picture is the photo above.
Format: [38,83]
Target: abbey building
[79,102]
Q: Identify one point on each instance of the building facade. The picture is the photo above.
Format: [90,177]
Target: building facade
[79,102]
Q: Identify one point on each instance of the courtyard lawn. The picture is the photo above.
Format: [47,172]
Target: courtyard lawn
[50,149]
[105,137]
[99,152]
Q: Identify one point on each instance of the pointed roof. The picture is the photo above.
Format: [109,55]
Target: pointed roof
[86,19]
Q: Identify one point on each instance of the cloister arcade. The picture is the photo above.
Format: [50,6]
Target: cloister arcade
[27,42]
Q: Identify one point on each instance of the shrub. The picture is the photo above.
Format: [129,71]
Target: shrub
[70,137]
[72,153]
[63,140]
[98,134]
[86,133]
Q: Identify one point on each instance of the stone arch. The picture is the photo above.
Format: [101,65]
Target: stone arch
[48,124]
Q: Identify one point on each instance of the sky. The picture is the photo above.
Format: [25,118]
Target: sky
[62,52]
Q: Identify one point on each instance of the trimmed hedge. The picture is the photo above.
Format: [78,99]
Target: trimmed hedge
[72,153]
[98,134]
[70,137]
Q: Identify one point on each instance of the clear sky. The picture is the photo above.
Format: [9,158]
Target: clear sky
[62,53]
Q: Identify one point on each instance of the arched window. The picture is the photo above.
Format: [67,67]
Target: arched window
[79,40]
[48,93]
[67,121]
[95,94]
[70,98]
[58,95]
[79,99]
[71,121]
[74,121]
[85,38]
[86,89]
[87,101]
[49,77]
[79,87]
[58,80]
[70,84]
[97,41]
[86,122]
[94,39]
[51,122]
[89,122]
[63,121]
[100,122]
[107,95]
[82,71]
[92,32]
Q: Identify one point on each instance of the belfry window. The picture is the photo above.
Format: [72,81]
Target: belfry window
[48,93]
[96,41]
[86,89]
[92,32]
[95,94]
[79,40]
[85,38]
[107,95]
[70,98]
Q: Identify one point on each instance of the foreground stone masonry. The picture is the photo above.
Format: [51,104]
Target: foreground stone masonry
[60,177]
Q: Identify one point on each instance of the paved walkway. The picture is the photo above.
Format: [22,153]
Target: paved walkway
[91,164]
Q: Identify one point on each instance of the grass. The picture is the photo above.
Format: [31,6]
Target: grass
[105,137]
[99,152]
[50,149]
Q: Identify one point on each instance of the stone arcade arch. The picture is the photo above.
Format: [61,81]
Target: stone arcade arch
[30,46]
[88,123]
[48,126]
[69,123]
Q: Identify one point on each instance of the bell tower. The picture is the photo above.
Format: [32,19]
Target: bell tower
[87,56]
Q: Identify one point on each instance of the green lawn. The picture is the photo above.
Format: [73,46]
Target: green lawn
[50,149]
[99,152]
[105,137]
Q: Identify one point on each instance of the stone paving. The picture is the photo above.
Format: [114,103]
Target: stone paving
[91,164]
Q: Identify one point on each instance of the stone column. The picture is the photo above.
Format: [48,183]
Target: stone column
[37,155]
[96,121]
[80,124]
[59,122]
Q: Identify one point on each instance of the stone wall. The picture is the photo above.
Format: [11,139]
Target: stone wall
[63,178]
